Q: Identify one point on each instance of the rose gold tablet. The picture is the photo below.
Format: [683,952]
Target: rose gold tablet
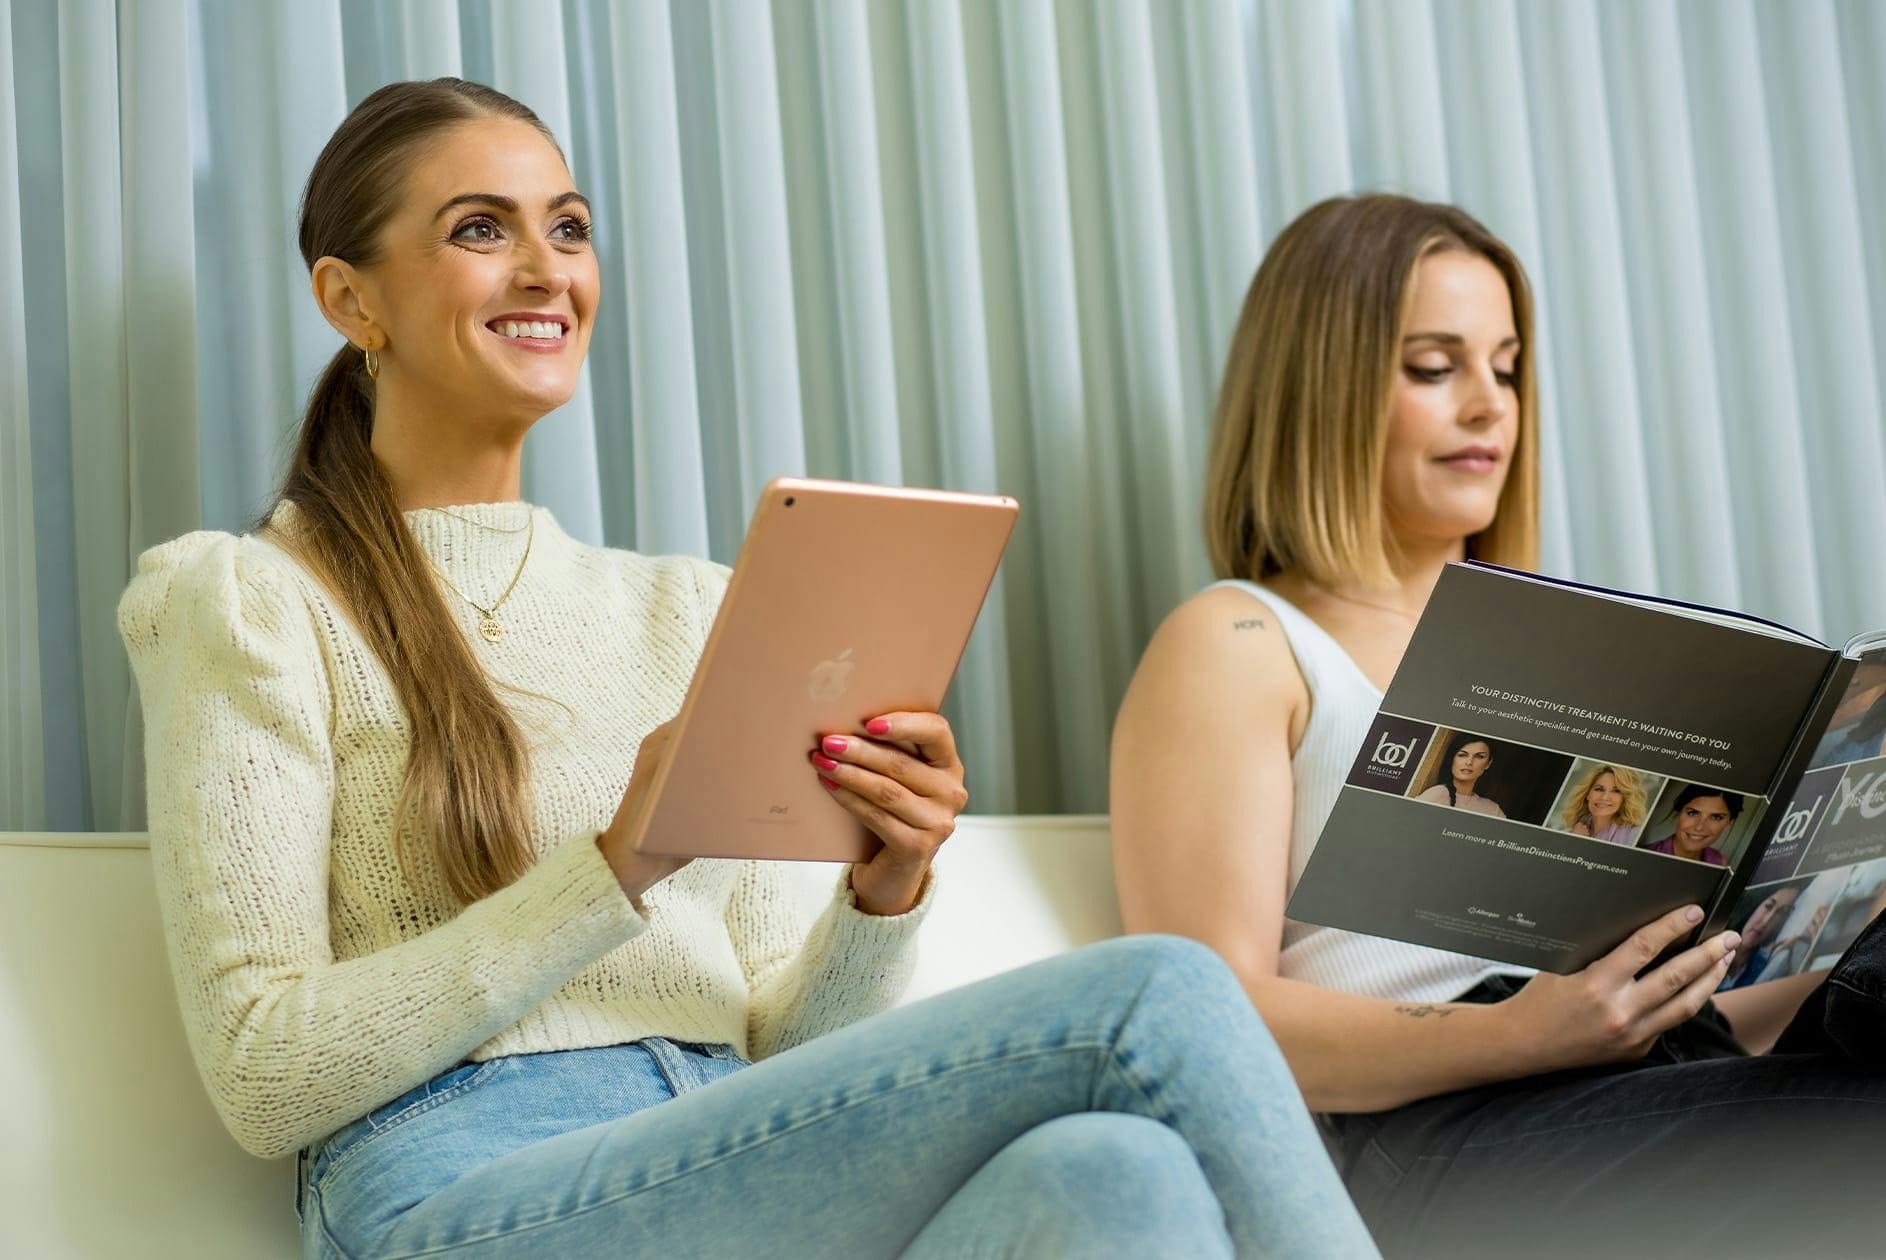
[846,601]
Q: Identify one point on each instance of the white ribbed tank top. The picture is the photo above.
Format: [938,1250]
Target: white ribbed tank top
[1342,704]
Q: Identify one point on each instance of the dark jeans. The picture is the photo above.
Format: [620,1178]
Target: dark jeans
[1697,1150]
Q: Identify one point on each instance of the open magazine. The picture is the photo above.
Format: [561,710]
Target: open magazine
[1555,765]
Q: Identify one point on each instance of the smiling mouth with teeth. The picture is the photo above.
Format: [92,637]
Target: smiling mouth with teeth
[541,330]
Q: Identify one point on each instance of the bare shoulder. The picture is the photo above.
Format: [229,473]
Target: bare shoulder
[1219,658]
[1228,640]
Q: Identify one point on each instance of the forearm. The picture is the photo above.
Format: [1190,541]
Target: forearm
[1355,1054]
[1758,1013]
[291,1049]
[803,983]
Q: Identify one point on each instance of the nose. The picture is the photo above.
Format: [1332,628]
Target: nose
[1486,403]
[542,270]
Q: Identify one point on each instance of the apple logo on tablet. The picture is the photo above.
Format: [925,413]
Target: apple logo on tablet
[829,678]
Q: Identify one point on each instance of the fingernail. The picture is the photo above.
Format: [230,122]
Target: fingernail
[1731,939]
[829,785]
[834,744]
[878,726]
[824,762]
[1694,914]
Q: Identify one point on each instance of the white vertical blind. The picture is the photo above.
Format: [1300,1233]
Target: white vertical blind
[670,515]
[1830,312]
[990,244]
[22,744]
[96,330]
[1759,413]
[1685,468]
[1607,481]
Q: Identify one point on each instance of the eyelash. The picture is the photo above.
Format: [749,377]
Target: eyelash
[583,230]
[1434,376]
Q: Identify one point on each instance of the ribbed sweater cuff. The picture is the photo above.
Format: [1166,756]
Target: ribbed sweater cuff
[879,932]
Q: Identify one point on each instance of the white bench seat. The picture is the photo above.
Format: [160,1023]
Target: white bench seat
[108,1144]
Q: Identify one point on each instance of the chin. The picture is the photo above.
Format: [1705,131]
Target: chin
[1450,528]
[542,397]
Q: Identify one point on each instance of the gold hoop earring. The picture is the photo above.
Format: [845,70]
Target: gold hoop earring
[373,363]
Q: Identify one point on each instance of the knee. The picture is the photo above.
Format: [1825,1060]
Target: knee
[1108,1151]
[1113,1173]
[1179,961]
[1178,983]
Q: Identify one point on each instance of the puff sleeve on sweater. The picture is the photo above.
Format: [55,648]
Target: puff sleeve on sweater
[290,1043]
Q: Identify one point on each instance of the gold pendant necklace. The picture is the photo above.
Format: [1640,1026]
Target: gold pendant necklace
[488,628]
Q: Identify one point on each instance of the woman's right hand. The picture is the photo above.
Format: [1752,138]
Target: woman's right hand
[1607,1013]
[639,872]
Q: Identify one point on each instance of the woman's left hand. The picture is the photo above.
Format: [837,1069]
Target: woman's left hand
[905,783]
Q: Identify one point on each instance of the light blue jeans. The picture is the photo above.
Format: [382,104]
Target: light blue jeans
[1122,1100]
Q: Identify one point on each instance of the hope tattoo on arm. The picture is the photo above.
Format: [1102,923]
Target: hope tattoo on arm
[1424,1010]
[1248,623]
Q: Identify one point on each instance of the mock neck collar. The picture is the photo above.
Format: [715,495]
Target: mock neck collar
[479,546]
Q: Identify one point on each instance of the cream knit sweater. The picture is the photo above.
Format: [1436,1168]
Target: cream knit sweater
[317,981]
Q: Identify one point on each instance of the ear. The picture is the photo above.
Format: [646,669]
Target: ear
[341,292]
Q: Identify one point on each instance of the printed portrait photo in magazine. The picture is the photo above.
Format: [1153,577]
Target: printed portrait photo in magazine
[1498,778]
[1605,800]
[1701,823]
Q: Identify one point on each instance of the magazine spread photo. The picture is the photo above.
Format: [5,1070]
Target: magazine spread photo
[1555,765]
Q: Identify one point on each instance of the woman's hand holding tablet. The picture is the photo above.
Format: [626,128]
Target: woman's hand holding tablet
[803,650]
[639,872]
[905,784]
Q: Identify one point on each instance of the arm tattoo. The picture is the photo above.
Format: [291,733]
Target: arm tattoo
[1424,1010]
[1248,623]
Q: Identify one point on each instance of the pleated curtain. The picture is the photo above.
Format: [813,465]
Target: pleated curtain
[981,244]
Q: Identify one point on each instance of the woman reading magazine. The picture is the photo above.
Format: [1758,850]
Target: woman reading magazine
[390,738]
[1377,420]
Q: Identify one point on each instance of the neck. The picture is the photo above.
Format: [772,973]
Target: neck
[1464,789]
[433,460]
[1416,569]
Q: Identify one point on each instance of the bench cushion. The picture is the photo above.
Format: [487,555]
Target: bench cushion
[112,1146]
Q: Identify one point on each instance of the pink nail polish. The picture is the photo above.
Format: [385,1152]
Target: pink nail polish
[835,744]
[824,762]
[829,785]
[878,726]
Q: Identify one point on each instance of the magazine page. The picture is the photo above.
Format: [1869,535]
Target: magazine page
[1551,769]
[1822,877]
[1701,612]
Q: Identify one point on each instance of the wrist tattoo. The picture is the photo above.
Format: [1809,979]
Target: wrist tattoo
[1248,623]
[1424,1010]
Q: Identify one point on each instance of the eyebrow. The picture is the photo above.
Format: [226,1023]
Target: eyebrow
[1454,339]
[509,204]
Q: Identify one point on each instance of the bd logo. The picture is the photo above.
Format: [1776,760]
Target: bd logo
[1389,753]
[1795,824]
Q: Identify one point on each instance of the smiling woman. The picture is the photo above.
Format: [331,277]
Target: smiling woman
[414,263]
[474,300]
[411,938]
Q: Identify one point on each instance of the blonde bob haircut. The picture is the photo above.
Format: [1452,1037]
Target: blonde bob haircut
[1632,810]
[1294,475]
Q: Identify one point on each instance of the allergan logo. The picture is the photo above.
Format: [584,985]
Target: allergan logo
[1389,753]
